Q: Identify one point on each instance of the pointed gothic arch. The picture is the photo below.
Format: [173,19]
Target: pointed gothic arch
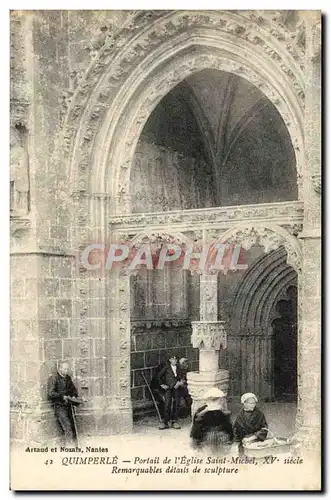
[259,288]
[117,95]
[253,310]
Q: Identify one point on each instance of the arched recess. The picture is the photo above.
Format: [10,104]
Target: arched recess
[107,116]
[258,290]
[253,310]
[160,314]
[157,239]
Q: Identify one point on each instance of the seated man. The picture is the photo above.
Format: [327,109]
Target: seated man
[183,390]
[211,427]
[169,380]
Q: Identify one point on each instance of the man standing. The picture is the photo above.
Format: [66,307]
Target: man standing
[63,394]
[170,381]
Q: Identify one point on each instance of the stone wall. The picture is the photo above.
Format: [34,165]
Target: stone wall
[52,310]
[165,179]
[41,334]
[169,294]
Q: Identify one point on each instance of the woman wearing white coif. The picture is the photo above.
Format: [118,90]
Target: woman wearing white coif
[211,426]
[250,424]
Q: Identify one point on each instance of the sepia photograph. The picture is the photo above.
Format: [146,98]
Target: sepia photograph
[165,250]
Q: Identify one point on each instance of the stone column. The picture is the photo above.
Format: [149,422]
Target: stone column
[308,421]
[118,343]
[209,336]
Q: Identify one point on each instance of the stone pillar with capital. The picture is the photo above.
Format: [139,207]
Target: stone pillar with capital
[209,336]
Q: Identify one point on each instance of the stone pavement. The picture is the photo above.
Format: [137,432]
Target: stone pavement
[280,418]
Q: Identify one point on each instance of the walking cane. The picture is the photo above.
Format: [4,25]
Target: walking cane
[73,415]
[151,393]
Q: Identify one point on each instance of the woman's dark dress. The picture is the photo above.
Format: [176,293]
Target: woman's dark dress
[250,423]
[212,428]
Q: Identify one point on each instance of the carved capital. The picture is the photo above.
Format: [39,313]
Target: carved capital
[209,335]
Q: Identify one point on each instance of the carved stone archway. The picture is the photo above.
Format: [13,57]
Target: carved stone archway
[269,236]
[118,93]
[259,289]
[253,310]
[112,102]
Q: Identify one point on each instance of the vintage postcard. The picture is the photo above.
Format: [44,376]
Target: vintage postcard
[165,224]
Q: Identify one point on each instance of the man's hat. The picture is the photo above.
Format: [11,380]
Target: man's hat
[182,360]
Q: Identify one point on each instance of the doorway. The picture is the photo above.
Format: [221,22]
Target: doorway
[285,348]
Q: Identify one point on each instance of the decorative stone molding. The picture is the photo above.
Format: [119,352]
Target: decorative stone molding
[268,236]
[143,325]
[257,291]
[286,26]
[247,26]
[283,294]
[317,184]
[19,224]
[155,241]
[158,238]
[209,335]
[294,229]
[282,213]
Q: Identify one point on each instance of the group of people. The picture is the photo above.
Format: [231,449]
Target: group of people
[213,429]
[211,425]
[169,386]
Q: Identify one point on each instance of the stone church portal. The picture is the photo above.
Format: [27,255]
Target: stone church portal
[164,127]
